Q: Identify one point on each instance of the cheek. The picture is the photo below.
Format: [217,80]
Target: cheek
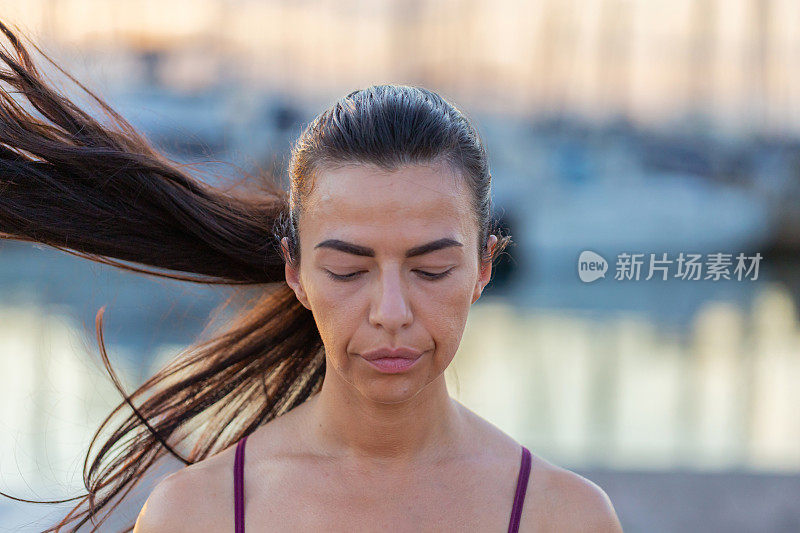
[443,312]
[333,312]
[447,311]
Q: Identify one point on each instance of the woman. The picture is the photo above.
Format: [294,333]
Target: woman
[324,405]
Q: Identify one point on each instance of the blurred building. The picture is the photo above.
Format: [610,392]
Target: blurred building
[729,65]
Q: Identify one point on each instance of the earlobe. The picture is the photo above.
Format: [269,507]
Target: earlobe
[293,280]
[486,270]
[293,276]
[483,280]
[477,294]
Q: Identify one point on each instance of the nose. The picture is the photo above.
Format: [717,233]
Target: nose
[390,307]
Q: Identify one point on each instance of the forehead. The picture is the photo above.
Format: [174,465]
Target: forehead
[421,197]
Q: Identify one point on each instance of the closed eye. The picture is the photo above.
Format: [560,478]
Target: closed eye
[431,275]
[422,273]
[342,277]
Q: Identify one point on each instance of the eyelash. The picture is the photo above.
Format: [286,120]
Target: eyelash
[426,275]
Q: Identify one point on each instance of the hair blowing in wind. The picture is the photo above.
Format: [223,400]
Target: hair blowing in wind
[101,191]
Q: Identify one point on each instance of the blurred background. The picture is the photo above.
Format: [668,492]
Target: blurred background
[616,126]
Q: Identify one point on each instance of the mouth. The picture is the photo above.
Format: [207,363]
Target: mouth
[392,361]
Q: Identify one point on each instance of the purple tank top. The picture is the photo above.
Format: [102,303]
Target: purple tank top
[238,488]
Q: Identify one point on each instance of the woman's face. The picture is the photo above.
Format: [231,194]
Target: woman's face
[389,260]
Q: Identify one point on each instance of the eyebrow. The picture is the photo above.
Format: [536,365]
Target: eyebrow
[355,249]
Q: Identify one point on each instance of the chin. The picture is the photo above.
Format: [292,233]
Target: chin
[390,393]
[393,389]
[390,387]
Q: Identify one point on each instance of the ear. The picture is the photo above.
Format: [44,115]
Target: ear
[293,275]
[485,273]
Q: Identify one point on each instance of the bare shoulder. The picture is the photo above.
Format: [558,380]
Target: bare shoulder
[556,499]
[196,498]
[199,497]
[561,500]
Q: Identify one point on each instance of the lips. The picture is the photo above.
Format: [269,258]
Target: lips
[392,360]
[392,353]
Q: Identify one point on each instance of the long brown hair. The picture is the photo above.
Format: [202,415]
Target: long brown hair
[102,192]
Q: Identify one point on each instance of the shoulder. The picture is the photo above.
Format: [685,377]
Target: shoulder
[196,498]
[556,499]
[199,497]
[564,501]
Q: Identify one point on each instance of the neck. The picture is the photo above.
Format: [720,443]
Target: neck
[346,423]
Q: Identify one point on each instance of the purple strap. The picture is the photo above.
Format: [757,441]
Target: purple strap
[522,486]
[238,486]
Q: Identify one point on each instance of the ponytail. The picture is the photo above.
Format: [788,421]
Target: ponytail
[102,192]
